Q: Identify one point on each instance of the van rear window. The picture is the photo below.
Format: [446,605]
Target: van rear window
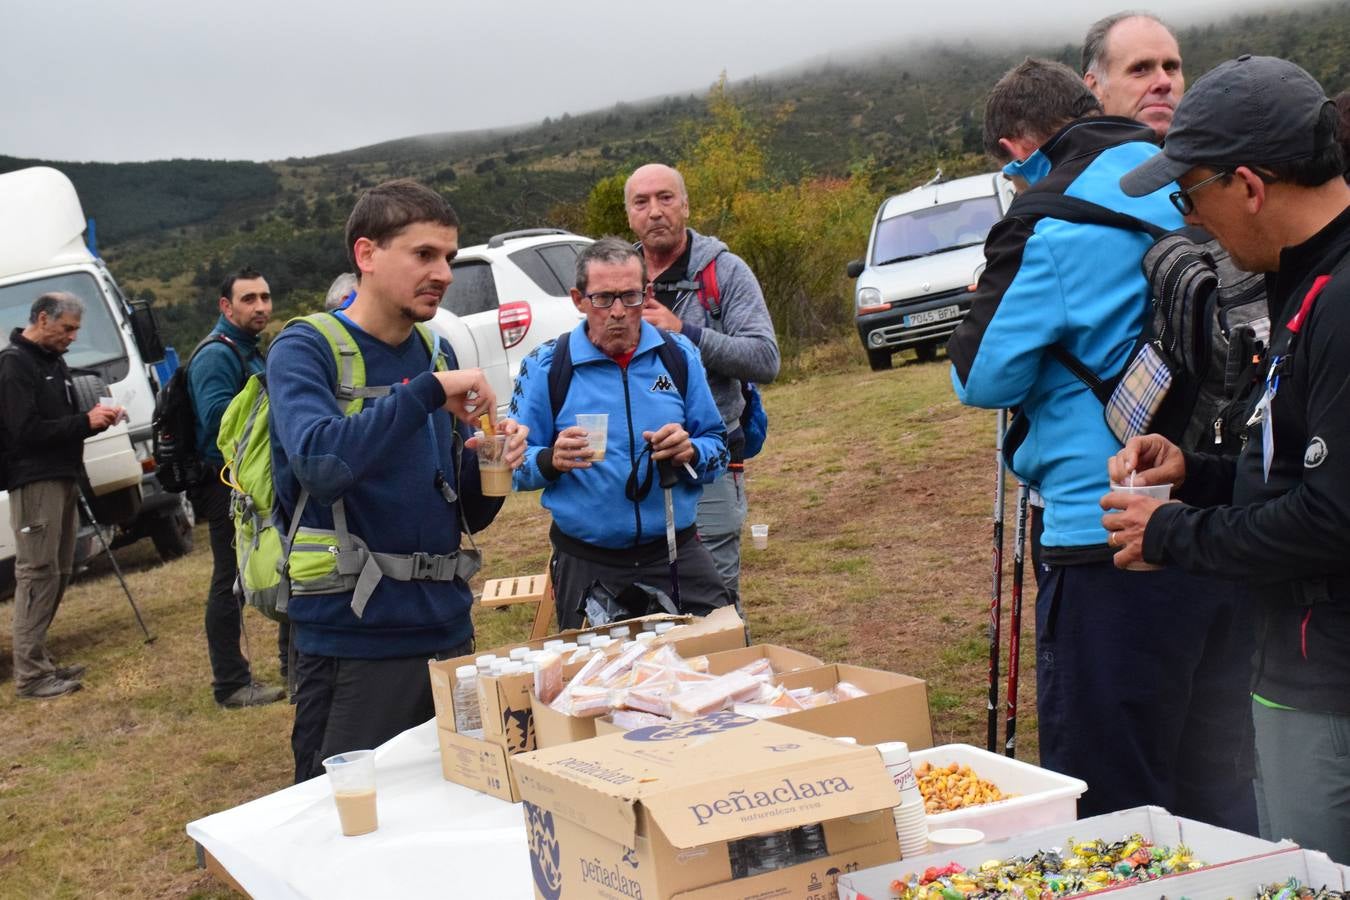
[934,229]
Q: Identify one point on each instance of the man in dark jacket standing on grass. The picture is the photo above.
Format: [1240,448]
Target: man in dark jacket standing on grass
[216,372]
[731,330]
[43,439]
[1253,148]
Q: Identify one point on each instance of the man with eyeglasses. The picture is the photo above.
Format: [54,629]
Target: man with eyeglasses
[609,516]
[1137,685]
[707,293]
[1253,148]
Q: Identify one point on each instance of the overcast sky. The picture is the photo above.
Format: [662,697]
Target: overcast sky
[268,79]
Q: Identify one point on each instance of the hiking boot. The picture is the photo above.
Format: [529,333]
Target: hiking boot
[255,694]
[70,673]
[48,687]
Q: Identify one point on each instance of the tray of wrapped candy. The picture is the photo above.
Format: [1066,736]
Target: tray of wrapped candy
[1292,875]
[1134,847]
[967,787]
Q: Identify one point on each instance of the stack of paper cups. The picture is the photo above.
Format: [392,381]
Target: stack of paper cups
[911,823]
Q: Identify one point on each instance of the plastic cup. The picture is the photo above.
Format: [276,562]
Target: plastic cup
[493,472]
[759,535]
[352,776]
[954,837]
[596,426]
[1157,492]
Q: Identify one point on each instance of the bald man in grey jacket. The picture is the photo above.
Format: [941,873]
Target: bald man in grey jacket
[732,330]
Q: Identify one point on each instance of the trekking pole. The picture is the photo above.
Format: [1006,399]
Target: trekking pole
[668,479]
[1015,618]
[996,600]
[89,513]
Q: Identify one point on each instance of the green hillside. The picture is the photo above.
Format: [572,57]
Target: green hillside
[171,229]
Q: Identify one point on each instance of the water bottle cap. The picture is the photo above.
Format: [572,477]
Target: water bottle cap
[466,672]
[485,660]
[518,653]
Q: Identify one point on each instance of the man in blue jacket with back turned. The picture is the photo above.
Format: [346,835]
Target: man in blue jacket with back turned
[609,521]
[1139,675]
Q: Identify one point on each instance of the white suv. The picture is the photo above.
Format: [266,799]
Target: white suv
[508,297]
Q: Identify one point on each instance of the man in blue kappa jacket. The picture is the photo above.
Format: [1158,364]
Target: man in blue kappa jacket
[1139,675]
[609,521]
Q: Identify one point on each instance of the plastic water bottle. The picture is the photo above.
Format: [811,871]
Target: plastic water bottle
[518,653]
[620,632]
[468,718]
[911,822]
[484,663]
[767,852]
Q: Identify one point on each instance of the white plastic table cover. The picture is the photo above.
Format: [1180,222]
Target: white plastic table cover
[436,838]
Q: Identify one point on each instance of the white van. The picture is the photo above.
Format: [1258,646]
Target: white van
[42,249]
[926,245]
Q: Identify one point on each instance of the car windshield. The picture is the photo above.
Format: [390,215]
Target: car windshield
[934,229]
[98,341]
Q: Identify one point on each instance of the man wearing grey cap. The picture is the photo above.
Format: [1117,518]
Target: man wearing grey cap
[1253,148]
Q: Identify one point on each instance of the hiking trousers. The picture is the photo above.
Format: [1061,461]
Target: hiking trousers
[44,517]
[1142,690]
[224,608]
[1303,778]
[720,518]
[357,704]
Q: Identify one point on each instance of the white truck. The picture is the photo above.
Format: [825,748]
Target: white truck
[42,249]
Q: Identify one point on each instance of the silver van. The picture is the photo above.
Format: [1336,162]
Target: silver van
[926,245]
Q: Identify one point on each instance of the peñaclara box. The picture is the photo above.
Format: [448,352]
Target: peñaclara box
[719,808]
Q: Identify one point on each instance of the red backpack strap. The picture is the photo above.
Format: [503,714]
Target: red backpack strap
[708,293]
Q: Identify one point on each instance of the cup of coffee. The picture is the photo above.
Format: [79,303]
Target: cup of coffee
[1157,492]
[596,426]
[759,535]
[352,776]
[493,472]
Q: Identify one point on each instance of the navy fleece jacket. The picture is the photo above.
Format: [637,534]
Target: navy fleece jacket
[382,462]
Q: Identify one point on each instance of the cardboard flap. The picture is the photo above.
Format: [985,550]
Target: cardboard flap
[800,792]
[612,815]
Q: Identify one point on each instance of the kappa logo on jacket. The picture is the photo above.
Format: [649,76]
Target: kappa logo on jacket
[663,383]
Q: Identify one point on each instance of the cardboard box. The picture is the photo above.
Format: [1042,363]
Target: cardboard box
[652,813]
[1208,843]
[1041,798]
[895,708]
[783,659]
[477,764]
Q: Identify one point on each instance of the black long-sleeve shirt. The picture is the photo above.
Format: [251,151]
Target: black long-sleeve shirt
[1288,537]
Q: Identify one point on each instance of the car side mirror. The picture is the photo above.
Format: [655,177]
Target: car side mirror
[855,268]
[145,329]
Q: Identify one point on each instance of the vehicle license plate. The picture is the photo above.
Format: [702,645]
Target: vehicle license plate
[933,315]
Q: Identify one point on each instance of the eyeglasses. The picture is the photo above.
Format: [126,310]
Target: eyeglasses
[605,299]
[1182,199]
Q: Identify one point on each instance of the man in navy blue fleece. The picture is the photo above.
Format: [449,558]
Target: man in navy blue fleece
[399,471]
[1139,675]
[216,372]
[609,522]
[733,333]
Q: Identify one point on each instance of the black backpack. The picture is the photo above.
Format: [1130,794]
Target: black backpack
[1192,371]
[178,464]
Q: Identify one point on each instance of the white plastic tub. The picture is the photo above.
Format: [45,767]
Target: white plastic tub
[1043,797]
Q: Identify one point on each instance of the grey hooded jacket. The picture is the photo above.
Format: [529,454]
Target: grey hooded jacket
[741,345]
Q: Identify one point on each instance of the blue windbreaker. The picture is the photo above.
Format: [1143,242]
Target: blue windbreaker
[590,504]
[1079,286]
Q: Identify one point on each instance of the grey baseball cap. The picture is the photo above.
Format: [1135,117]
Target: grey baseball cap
[1248,111]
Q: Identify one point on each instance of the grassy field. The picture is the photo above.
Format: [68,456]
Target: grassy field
[877,488]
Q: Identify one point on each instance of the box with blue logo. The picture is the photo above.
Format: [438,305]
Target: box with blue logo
[724,807]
